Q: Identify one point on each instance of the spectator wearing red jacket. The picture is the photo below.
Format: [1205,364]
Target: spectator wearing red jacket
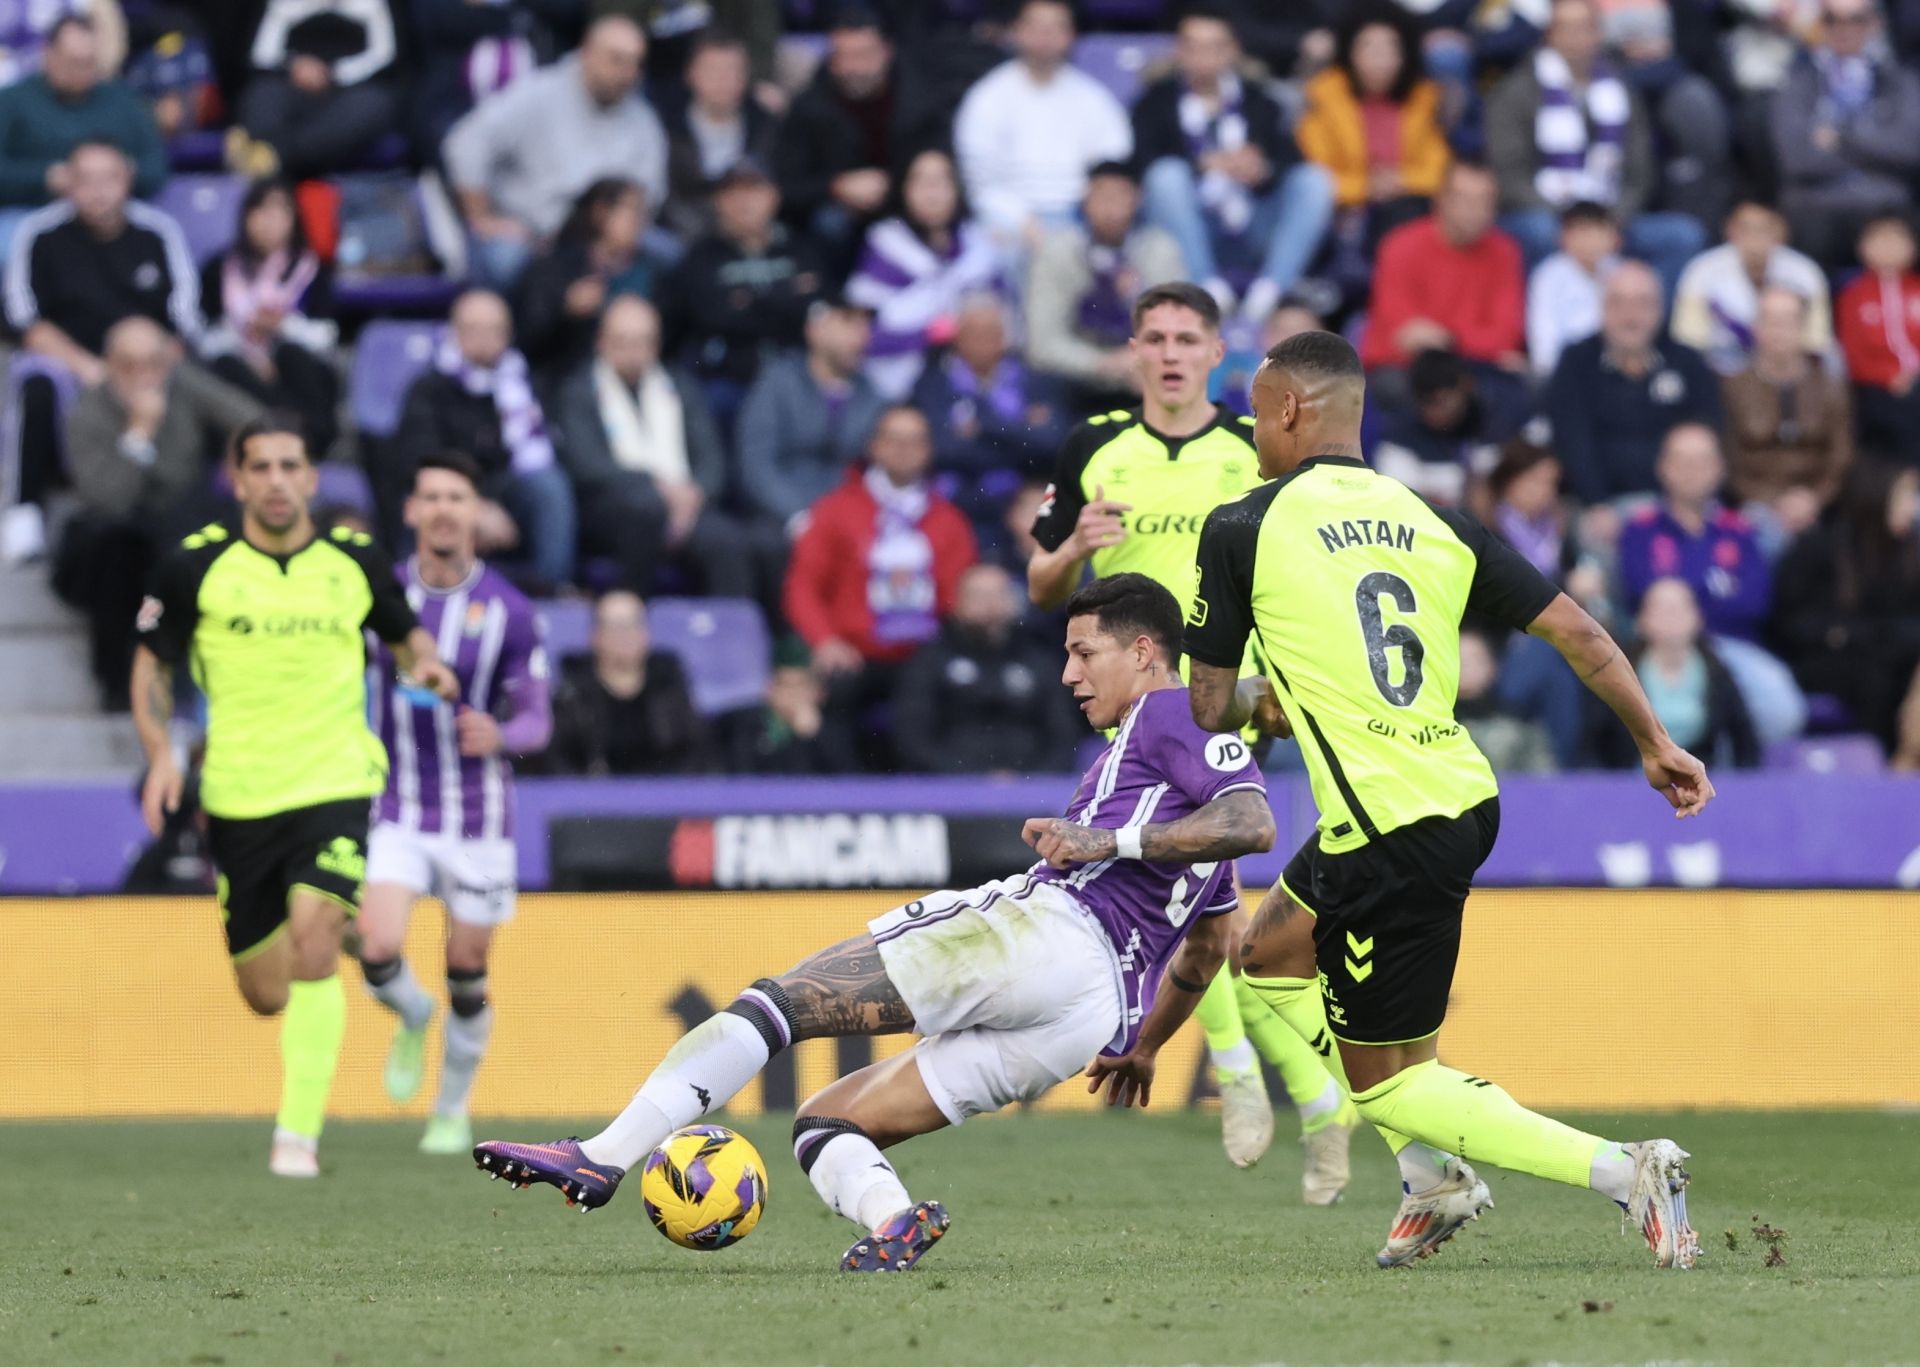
[874,574]
[1451,282]
[1879,326]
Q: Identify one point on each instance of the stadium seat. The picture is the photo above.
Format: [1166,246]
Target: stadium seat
[1853,755]
[205,149]
[389,357]
[1124,13]
[569,623]
[207,208]
[1116,60]
[724,645]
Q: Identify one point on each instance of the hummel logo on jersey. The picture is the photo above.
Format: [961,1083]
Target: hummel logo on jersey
[706,1097]
[344,858]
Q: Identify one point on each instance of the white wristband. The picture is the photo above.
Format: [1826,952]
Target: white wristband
[1126,842]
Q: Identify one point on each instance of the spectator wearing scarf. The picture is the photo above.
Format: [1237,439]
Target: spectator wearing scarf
[1222,174]
[1564,127]
[650,467]
[914,268]
[1846,133]
[267,300]
[478,398]
[876,570]
[994,420]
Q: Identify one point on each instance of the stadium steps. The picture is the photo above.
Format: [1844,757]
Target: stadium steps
[49,723]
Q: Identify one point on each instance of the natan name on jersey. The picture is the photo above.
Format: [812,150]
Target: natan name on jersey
[1338,536]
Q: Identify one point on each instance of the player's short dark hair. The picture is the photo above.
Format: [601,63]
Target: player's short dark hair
[1586,211]
[275,424]
[1130,605]
[454,463]
[1317,356]
[1183,293]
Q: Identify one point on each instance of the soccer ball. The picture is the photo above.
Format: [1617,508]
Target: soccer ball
[705,1187]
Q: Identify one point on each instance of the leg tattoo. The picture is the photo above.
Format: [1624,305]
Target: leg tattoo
[844,990]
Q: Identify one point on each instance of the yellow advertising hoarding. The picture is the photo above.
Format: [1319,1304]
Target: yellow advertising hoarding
[1571,999]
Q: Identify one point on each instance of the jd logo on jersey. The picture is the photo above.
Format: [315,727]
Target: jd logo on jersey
[1197,614]
[1227,754]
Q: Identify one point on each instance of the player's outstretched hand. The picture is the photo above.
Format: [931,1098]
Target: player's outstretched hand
[1066,843]
[1128,1079]
[1680,778]
[160,794]
[434,673]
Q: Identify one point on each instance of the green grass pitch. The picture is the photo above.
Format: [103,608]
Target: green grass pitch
[1076,1239]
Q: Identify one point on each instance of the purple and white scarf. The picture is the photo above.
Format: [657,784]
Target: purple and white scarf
[1105,314]
[279,282]
[1582,145]
[1221,131]
[1846,83]
[901,592]
[523,427]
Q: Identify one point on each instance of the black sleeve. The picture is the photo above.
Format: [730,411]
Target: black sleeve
[1222,615]
[1053,524]
[390,617]
[1506,586]
[171,609]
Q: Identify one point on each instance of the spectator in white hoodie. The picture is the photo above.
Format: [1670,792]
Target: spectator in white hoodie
[1028,130]
[1718,298]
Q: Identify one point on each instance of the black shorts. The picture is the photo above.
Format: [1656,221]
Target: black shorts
[261,861]
[1387,917]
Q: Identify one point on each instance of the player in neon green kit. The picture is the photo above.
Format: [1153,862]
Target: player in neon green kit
[1355,588]
[1130,493]
[270,616]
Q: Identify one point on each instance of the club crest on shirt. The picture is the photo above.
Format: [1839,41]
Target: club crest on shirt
[476,618]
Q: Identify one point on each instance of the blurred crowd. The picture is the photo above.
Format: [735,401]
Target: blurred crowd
[792,305]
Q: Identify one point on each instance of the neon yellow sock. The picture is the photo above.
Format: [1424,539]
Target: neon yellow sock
[1219,1015]
[1446,1109]
[1301,1069]
[1297,1002]
[311,1030]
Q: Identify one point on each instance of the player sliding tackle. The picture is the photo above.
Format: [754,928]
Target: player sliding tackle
[1103,948]
[1355,588]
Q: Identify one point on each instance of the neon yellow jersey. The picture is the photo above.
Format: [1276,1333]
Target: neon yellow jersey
[1172,484]
[277,645]
[1354,588]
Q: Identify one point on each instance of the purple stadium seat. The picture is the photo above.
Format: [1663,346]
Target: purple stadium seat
[345,486]
[205,149]
[1850,755]
[723,643]
[207,209]
[386,362]
[1124,14]
[1827,715]
[420,296]
[569,626]
[1116,60]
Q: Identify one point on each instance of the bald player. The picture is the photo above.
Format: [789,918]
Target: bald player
[1355,588]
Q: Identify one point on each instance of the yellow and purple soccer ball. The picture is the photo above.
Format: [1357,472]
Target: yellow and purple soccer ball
[705,1187]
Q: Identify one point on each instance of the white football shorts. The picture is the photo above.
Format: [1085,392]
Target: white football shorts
[1013,986]
[477,879]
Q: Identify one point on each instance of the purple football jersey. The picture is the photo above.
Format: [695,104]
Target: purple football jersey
[1159,768]
[487,632]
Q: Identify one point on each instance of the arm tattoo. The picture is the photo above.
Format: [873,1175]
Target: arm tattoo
[1215,697]
[160,694]
[1594,673]
[844,990]
[1231,825]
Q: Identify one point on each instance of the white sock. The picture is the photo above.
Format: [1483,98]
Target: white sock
[1261,299]
[701,1073]
[852,1176]
[1422,1168]
[402,994]
[1325,1104]
[1612,1173]
[1235,1058]
[465,1046]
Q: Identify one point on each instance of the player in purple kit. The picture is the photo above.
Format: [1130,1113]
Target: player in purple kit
[444,824]
[1102,948]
